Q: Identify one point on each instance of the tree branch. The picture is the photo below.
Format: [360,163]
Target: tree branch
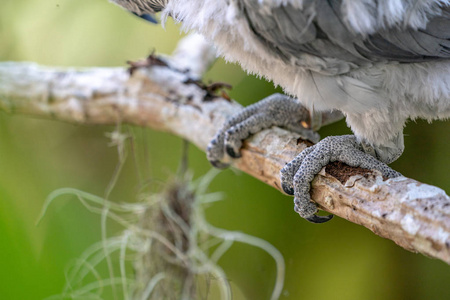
[414,215]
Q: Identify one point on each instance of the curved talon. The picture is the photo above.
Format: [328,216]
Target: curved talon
[218,164]
[287,188]
[319,219]
[231,152]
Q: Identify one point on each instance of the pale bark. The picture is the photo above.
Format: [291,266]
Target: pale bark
[414,215]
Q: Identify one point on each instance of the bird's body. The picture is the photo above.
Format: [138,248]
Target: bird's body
[379,62]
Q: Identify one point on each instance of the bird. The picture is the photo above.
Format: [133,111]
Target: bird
[377,63]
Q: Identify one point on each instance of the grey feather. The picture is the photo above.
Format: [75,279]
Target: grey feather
[319,29]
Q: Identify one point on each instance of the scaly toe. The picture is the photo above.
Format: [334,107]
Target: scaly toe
[230,151]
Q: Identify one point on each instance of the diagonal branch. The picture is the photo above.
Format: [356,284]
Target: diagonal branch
[414,215]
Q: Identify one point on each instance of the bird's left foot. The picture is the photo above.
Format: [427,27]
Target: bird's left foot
[275,110]
[297,175]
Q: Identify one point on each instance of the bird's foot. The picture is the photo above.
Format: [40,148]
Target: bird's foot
[275,110]
[297,175]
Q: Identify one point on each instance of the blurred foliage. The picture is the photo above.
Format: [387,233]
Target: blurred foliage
[337,260]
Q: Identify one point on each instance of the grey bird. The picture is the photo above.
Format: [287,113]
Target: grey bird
[375,62]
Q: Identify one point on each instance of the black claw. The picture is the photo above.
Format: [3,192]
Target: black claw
[231,152]
[319,219]
[218,164]
[287,188]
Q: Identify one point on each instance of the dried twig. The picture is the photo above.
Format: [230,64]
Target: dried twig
[414,215]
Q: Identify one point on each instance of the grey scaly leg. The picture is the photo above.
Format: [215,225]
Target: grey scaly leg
[297,175]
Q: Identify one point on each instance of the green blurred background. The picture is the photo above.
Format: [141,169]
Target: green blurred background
[337,260]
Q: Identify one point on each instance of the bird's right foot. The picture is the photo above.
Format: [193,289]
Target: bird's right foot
[297,175]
